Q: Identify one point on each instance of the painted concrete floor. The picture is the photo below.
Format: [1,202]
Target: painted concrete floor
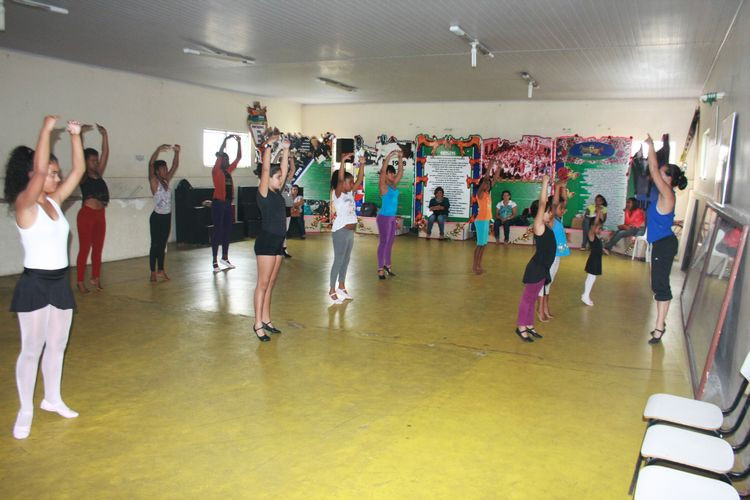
[416,389]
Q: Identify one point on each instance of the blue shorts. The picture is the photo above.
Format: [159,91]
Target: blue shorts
[483,231]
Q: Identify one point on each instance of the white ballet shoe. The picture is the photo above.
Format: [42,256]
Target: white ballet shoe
[586,300]
[58,408]
[22,428]
[343,294]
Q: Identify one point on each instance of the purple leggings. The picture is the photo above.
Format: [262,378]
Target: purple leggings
[528,299]
[387,231]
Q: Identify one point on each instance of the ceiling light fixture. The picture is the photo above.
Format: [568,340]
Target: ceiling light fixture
[475,44]
[336,84]
[533,84]
[224,56]
[42,5]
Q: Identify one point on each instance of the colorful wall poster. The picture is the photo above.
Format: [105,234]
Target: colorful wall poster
[453,164]
[597,165]
[522,165]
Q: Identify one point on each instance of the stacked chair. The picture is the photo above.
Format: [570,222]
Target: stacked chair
[685,450]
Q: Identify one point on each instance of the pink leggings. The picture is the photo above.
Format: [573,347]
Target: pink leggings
[387,231]
[528,299]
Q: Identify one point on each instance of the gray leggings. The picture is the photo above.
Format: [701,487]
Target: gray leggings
[343,242]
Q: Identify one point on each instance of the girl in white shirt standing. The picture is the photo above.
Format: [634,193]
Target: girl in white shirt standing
[42,298]
[343,186]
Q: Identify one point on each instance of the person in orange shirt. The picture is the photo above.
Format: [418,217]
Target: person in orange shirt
[635,222]
[482,222]
[221,205]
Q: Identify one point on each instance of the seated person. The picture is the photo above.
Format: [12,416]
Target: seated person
[729,244]
[506,215]
[440,207]
[635,224]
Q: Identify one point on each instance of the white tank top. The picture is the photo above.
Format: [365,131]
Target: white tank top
[162,200]
[345,210]
[45,243]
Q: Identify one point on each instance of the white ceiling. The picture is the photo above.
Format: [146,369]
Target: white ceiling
[394,51]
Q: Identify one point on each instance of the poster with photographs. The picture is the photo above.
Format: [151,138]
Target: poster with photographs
[522,165]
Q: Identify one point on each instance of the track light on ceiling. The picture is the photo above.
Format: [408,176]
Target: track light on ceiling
[336,84]
[475,44]
[41,5]
[533,84]
[224,56]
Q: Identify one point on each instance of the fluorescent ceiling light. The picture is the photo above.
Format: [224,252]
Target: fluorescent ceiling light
[336,84]
[42,5]
[475,44]
[224,56]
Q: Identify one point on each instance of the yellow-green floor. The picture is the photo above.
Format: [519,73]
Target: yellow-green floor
[417,389]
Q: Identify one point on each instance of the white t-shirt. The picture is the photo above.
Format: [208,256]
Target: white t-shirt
[506,210]
[345,210]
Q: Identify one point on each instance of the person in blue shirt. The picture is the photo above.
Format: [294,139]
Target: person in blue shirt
[659,233]
[386,218]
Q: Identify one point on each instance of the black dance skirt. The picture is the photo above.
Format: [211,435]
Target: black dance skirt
[38,288]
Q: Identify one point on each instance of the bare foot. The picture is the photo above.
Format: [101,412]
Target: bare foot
[606,252]
[97,284]
[549,314]
[163,275]
[152,278]
[82,288]
[542,317]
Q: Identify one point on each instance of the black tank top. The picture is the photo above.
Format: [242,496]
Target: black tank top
[538,267]
[228,187]
[273,212]
[94,188]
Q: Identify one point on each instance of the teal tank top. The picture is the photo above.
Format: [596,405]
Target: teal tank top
[389,202]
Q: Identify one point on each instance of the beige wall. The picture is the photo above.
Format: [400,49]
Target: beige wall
[140,113]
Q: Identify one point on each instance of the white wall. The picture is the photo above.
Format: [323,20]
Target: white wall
[140,113]
[508,119]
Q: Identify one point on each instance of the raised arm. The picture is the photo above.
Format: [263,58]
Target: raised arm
[561,193]
[67,187]
[152,180]
[284,159]
[539,219]
[27,198]
[265,170]
[175,162]
[401,164]
[382,182]
[665,190]
[104,157]
[342,172]
[237,158]
[360,174]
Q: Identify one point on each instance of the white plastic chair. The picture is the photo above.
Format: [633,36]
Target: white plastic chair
[662,483]
[698,414]
[724,259]
[636,245]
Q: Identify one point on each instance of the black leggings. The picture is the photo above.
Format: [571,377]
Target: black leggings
[662,257]
[160,227]
[221,215]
